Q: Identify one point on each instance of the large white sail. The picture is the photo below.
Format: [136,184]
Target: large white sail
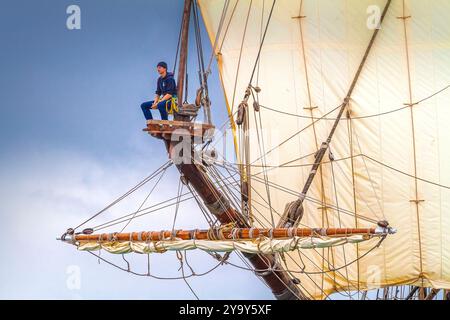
[310,56]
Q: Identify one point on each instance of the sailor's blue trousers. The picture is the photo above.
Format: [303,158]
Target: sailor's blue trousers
[147,109]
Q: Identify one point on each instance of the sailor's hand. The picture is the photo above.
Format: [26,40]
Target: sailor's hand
[155,106]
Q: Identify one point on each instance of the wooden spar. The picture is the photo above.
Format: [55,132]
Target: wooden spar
[279,281]
[183,55]
[227,234]
[292,221]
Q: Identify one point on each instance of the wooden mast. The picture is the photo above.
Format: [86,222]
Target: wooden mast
[279,281]
[183,56]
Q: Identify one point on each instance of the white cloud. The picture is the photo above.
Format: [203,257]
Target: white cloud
[42,193]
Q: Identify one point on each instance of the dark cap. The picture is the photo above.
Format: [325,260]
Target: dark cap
[162,64]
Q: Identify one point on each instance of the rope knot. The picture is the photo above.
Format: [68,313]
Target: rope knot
[219,233]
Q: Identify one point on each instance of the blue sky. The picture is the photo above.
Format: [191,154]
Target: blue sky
[71,141]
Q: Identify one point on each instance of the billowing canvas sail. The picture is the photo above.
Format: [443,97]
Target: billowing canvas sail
[391,159]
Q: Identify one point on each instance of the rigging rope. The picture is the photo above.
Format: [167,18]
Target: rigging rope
[292,192]
[129,192]
[145,200]
[273,269]
[347,264]
[367,170]
[296,193]
[339,216]
[180,190]
[216,40]
[143,213]
[178,49]
[180,258]
[198,41]
[356,192]
[325,117]
[153,276]
[344,159]
[240,55]
[303,270]
[297,133]
[228,25]
[359,117]
[406,174]
[262,151]
[262,41]
[124,218]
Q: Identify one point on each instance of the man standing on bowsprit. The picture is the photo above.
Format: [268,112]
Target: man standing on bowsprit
[166,95]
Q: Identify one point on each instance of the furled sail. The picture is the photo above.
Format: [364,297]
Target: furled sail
[226,238]
[389,155]
[259,246]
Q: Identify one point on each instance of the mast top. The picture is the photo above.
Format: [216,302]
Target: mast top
[164,129]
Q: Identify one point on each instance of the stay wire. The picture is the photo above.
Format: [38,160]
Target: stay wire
[359,117]
[180,190]
[315,120]
[219,31]
[180,258]
[293,192]
[143,212]
[145,200]
[153,276]
[129,192]
[262,42]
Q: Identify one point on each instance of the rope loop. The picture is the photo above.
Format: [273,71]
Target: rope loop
[173,105]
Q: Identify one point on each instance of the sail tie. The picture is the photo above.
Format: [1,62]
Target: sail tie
[218,233]
[174,234]
[270,269]
[194,234]
[320,232]
[251,233]
[234,233]
[291,232]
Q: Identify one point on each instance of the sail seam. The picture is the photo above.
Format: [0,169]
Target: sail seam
[310,108]
[416,201]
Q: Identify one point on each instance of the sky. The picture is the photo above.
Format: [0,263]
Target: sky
[71,142]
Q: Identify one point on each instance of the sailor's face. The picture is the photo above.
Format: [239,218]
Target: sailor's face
[161,70]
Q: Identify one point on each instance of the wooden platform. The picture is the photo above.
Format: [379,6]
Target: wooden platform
[164,129]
